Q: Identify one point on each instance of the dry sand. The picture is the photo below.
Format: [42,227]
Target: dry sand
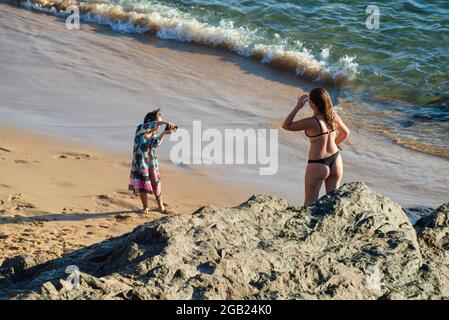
[56,196]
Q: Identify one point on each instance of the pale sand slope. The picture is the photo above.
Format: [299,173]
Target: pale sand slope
[55,197]
[94,85]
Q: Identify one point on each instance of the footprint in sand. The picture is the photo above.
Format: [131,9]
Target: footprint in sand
[104,200]
[3,150]
[73,155]
[107,200]
[15,197]
[64,184]
[74,210]
[21,206]
[19,161]
[124,218]
[126,194]
[104,197]
[18,202]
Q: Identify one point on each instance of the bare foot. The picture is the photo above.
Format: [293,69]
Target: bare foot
[146,211]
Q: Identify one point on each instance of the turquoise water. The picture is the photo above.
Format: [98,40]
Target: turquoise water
[409,54]
[395,79]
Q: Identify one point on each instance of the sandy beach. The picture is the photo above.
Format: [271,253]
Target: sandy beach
[93,85]
[57,196]
[71,100]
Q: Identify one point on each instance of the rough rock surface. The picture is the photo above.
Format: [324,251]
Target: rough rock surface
[351,244]
[433,236]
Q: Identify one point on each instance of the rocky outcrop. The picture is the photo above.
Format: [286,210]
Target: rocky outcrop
[351,244]
[433,237]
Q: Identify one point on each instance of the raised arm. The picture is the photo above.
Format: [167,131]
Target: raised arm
[343,131]
[299,125]
[163,133]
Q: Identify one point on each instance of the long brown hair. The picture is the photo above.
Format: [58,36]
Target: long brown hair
[322,100]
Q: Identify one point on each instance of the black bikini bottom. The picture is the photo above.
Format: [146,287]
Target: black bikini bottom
[329,161]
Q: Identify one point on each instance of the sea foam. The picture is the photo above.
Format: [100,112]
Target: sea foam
[170,24]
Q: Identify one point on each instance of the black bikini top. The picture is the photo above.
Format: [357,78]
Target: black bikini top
[321,129]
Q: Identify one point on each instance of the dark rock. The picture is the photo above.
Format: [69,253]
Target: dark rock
[351,244]
[18,265]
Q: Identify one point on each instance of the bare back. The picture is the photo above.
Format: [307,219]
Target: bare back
[322,139]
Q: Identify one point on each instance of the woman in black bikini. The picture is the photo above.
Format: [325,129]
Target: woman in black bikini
[325,162]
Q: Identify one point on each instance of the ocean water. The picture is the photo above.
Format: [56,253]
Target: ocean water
[392,80]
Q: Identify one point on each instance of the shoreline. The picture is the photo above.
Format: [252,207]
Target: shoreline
[192,31]
[103,21]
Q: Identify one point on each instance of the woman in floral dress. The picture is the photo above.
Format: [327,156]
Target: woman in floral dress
[145,176]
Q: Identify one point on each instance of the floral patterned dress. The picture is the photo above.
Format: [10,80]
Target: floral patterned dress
[145,175]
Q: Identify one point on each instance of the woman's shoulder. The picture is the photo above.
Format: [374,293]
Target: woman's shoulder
[311,122]
[312,119]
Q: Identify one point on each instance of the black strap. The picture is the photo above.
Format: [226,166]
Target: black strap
[321,130]
[319,124]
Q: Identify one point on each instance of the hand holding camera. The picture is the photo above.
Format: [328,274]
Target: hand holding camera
[170,128]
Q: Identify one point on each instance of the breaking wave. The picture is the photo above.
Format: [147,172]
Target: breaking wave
[171,24]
